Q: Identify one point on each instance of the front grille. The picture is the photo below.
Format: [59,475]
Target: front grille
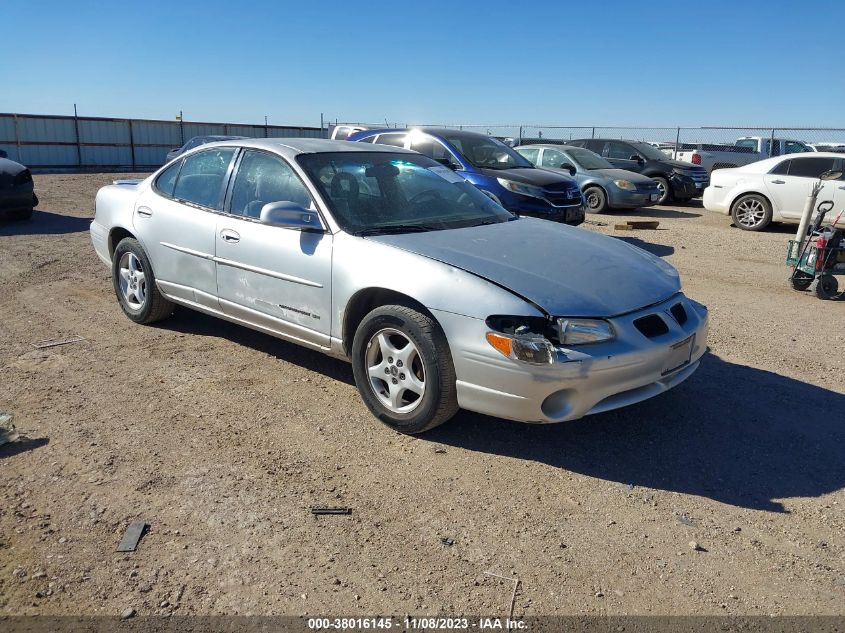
[562,197]
[679,313]
[699,176]
[651,325]
[648,187]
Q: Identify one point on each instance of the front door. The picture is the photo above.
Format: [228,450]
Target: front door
[175,221]
[276,278]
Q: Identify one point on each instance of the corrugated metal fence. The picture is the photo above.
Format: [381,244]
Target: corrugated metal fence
[46,142]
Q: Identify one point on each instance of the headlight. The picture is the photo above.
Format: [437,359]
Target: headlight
[582,331]
[625,184]
[519,187]
[530,348]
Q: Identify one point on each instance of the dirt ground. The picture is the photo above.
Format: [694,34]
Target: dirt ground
[222,438]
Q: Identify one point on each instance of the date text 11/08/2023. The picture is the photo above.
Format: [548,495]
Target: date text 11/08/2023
[411,623]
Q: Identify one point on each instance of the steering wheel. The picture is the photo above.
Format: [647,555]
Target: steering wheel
[423,196]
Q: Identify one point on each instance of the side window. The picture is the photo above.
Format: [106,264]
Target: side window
[264,178]
[427,146]
[202,175]
[750,143]
[782,168]
[615,149]
[369,139]
[167,179]
[341,133]
[553,158]
[810,167]
[397,140]
[530,154]
[794,147]
[593,145]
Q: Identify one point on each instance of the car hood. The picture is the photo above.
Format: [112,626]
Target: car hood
[563,270]
[530,176]
[612,174]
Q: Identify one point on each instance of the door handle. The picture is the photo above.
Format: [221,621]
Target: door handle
[778,182]
[144,212]
[229,236]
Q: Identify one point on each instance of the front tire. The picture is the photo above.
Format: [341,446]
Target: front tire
[751,212]
[596,199]
[826,287]
[403,369]
[135,285]
[665,189]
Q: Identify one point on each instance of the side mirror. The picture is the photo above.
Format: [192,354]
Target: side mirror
[831,175]
[569,167]
[292,216]
[637,158]
[446,163]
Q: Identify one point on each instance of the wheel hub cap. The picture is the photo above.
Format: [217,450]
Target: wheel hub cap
[396,371]
[132,281]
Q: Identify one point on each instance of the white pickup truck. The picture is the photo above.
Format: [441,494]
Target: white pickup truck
[748,149]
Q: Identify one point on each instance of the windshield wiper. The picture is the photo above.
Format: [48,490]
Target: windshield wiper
[396,228]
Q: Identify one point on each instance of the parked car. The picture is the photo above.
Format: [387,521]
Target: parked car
[773,190]
[438,296]
[342,131]
[676,180]
[604,186]
[196,141]
[17,191]
[837,147]
[746,150]
[493,167]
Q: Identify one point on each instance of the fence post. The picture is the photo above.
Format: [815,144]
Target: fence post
[593,134]
[78,144]
[17,138]
[519,140]
[181,129]
[132,143]
[772,144]
[677,140]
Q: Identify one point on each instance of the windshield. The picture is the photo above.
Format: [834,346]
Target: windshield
[586,159]
[649,151]
[486,152]
[371,192]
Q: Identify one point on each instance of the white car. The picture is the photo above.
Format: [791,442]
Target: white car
[775,189]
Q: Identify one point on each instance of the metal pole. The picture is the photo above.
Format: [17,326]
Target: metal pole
[519,140]
[132,143]
[593,134]
[322,124]
[76,127]
[772,144]
[265,127]
[181,128]
[18,138]
[677,140]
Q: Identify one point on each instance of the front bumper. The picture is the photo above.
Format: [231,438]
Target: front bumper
[624,199]
[586,379]
[17,199]
[684,186]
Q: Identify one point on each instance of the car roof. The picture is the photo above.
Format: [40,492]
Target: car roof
[767,163]
[295,146]
[434,131]
[549,146]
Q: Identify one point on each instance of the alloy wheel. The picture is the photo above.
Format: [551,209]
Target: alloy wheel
[396,371]
[750,212]
[133,283]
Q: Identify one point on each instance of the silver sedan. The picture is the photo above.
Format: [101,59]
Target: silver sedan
[439,297]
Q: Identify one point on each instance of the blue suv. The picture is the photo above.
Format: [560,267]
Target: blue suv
[493,167]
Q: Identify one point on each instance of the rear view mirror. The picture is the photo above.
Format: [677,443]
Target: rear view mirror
[291,215]
[569,167]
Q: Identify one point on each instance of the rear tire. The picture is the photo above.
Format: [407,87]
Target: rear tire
[800,280]
[596,199]
[135,284]
[403,369]
[665,189]
[751,212]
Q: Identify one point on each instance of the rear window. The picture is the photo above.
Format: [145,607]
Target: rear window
[396,140]
[201,178]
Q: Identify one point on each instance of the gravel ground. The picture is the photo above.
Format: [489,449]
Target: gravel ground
[724,495]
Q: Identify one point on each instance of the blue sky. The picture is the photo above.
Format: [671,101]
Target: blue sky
[745,62]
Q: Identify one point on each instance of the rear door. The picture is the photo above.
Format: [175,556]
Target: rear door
[276,278]
[789,184]
[619,154]
[175,221]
